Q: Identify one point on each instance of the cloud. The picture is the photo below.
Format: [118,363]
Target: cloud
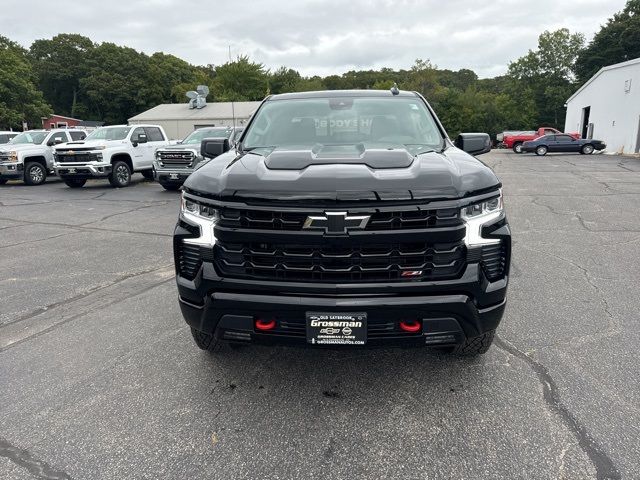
[316,36]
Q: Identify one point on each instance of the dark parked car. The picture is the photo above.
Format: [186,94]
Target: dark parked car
[344,219]
[562,143]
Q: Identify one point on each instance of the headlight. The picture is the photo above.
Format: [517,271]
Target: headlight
[100,147]
[478,215]
[205,216]
[483,208]
[199,209]
[13,156]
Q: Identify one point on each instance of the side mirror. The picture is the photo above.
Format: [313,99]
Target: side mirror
[142,138]
[212,147]
[474,143]
[58,141]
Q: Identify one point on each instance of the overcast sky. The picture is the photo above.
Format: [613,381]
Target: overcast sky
[315,36]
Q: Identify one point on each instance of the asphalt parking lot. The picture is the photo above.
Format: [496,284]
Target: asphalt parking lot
[99,377]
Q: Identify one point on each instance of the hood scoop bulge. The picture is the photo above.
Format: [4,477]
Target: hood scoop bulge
[376,158]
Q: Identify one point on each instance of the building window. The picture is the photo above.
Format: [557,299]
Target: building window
[63,124]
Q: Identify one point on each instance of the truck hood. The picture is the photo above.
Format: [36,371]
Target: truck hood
[380,174]
[22,147]
[91,144]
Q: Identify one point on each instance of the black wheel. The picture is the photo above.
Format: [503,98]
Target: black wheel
[517,147]
[75,182]
[475,345]
[34,173]
[120,175]
[204,341]
[172,187]
[587,149]
[148,174]
[541,150]
[3,181]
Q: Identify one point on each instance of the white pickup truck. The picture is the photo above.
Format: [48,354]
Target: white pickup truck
[29,155]
[114,153]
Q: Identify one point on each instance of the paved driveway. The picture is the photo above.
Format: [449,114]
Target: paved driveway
[99,377]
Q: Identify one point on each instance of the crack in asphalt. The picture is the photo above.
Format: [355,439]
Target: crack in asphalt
[612,327]
[92,290]
[26,460]
[38,240]
[126,211]
[83,313]
[85,227]
[605,468]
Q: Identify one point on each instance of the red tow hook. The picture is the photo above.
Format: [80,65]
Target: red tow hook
[411,326]
[265,325]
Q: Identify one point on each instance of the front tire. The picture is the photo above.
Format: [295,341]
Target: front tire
[34,173]
[148,174]
[120,175]
[587,149]
[541,150]
[475,345]
[204,341]
[75,182]
[517,147]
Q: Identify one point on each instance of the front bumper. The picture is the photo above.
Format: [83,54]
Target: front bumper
[171,176]
[450,310]
[82,170]
[11,171]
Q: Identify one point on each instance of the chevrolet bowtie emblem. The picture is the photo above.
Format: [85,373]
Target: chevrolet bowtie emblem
[337,222]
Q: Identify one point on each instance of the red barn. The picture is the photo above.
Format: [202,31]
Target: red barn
[58,121]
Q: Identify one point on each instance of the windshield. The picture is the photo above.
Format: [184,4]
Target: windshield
[110,133]
[374,122]
[29,137]
[202,133]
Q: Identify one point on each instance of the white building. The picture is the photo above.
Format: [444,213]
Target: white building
[178,120]
[607,107]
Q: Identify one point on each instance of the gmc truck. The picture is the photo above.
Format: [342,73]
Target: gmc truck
[174,163]
[29,155]
[114,153]
[515,141]
[345,219]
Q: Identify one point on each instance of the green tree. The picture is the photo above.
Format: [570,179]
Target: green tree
[20,99]
[617,41]
[240,80]
[168,74]
[548,72]
[118,84]
[59,64]
[284,80]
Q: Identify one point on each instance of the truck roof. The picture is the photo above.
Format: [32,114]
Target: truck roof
[341,93]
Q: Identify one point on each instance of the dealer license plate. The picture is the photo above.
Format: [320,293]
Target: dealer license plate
[336,328]
[173,176]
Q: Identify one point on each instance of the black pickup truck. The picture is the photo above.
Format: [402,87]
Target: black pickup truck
[344,219]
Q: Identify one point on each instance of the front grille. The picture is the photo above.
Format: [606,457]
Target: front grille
[4,157]
[176,159]
[380,220]
[494,260]
[340,263]
[76,157]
